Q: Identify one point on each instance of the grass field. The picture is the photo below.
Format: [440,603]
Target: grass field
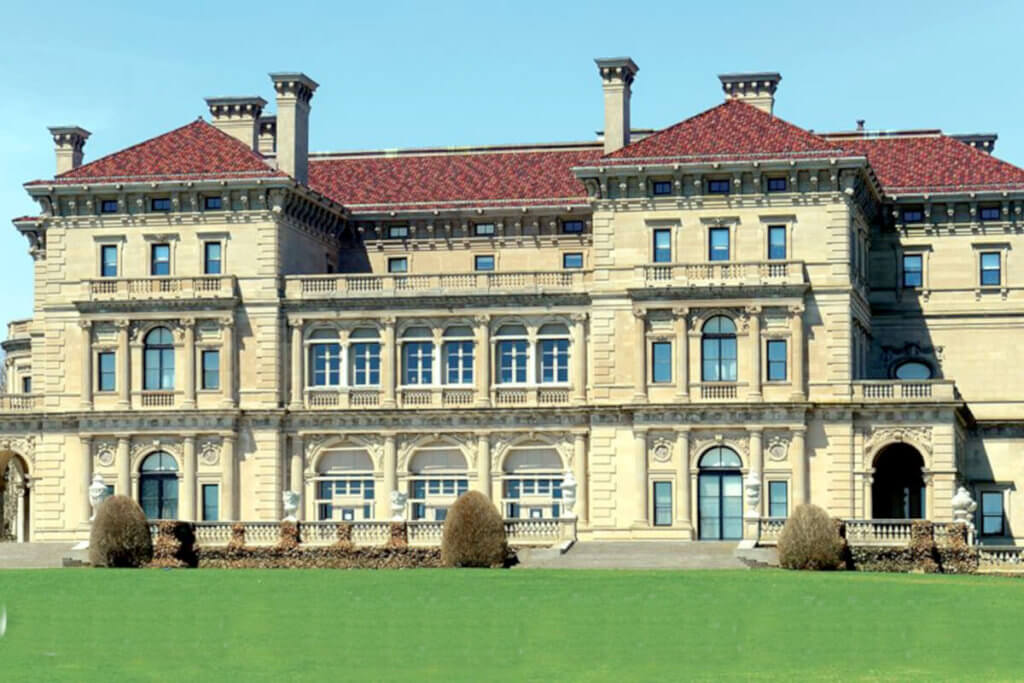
[506,625]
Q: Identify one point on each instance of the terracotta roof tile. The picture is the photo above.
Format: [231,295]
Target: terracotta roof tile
[195,151]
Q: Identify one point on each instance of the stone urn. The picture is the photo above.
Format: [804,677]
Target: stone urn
[97,493]
[964,507]
[290,502]
[752,489]
[569,486]
[398,500]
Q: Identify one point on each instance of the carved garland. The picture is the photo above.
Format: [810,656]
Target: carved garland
[919,437]
[209,451]
[24,446]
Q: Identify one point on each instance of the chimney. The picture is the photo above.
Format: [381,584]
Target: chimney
[237,116]
[985,142]
[294,91]
[756,89]
[68,142]
[617,74]
[267,136]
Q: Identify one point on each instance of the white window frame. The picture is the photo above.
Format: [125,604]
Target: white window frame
[540,338]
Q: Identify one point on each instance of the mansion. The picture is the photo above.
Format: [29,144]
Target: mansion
[695,329]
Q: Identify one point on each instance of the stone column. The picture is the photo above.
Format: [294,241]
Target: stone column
[187,507]
[483,361]
[124,369]
[389,365]
[683,452]
[85,449]
[296,482]
[86,326]
[682,354]
[189,384]
[579,359]
[228,361]
[296,398]
[228,494]
[797,338]
[755,353]
[483,464]
[390,476]
[640,357]
[640,476]
[124,466]
[798,456]
[579,470]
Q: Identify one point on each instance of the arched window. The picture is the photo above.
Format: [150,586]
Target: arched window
[324,359]
[158,486]
[365,354]
[532,482]
[417,356]
[913,370]
[718,350]
[720,495]
[513,354]
[458,355]
[437,477]
[158,360]
[554,353]
[344,485]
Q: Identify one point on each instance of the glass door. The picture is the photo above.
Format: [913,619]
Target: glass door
[720,506]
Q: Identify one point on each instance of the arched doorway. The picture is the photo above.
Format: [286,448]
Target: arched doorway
[897,488]
[14,499]
[344,485]
[158,486]
[720,495]
[531,482]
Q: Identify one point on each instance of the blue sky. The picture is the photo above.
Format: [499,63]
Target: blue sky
[402,74]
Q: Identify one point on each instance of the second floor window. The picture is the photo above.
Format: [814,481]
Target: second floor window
[211,369]
[776,242]
[158,360]
[366,364]
[718,350]
[458,362]
[913,270]
[990,269]
[325,364]
[108,260]
[554,353]
[718,244]
[418,363]
[661,362]
[662,246]
[106,373]
[212,258]
[160,259]
[776,360]
[512,354]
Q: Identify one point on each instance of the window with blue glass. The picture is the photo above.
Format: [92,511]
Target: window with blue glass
[160,259]
[211,369]
[483,229]
[213,203]
[397,231]
[344,499]
[572,261]
[662,187]
[417,362]
[512,346]
[776,241]
[158,486]
[661,362]
[572,227]
[212,258]
[718,350]
[484,262]
[26,385]
[458,360]
[718,244]
[325,364]
[398,264]
[992,513]
[365,364]
[211,502]
[434,494]
[778,499]
[720,186]
[776,184]
[777,357]
[158,360]
[108,260]
[160,204]
[662,499]
[913,270]
[532,496]
[912,215]
[989,213]
[106,369]
[108,206]
[554,361]
[990,269]
[662,245]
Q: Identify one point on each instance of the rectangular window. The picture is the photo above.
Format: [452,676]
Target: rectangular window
[572,261]
[160,204]
[913,270]
[108,206]
[572,227]
[211,258]
[776,360]
[663,246]
[484,229]
[366,364]
[484,263]
[662,187]
[106,372]
[992,513]
[776,184]
[776,241]
[211,502]
[325,365]
[418,362]
[213,203]
[912,215]
[211,369]
[718,244]
[554,361]
[458,362]
[990,267]
[989,213]
[661,362]
[718,187]
[399,264]
[108,260]
[398,231]
[26,385]
[662,503]
[512,362]
[778,499]
[160,259]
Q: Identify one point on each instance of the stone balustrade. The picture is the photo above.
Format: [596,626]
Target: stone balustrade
[20,403]
[899,391]
[999,559]
[749,273]
[868,532]
[393,284]
[159,287]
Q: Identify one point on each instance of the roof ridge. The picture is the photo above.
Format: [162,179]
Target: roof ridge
[510,148]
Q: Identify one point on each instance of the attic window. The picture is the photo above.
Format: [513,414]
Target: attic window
[483,229]
[161,204]
[213,203]
[398,231]
[108,206]
[990,213]
[662,187]
[718,187]
[912,215]
[776,184]
[572,227]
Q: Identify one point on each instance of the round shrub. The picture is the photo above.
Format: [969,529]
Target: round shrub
[120,535]
[810,540]
[474,533]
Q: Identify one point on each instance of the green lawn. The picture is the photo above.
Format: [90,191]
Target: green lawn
[82,624]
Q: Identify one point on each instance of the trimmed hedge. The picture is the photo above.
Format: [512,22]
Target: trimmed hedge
[120,535]
[175,545]
[474,533]
[811,539]
[318,557]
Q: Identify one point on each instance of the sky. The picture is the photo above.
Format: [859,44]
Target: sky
[406,74]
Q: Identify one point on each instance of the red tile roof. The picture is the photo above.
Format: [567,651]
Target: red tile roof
[462,179]
[933,163]
[196,151]
[732,131]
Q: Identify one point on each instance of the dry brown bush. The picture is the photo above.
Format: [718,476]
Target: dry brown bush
[120,535]
[474,533]
[809,540]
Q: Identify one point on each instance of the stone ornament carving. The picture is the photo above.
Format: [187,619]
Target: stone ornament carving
[702,441]
[209,451]
[23,446]
[398,500]
[964,507]
[144,447]
[569,486]
[97,492]
[661,451]
[778,448]
[562,442]
[315,443]
[916,436]
[105,450]
[290,504]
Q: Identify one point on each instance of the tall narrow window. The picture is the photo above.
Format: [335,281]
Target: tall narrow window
[718,347]
[662,246]
[108,260]
[554,353]
[211,258]
[662,503]
[211,502]
[776,242]
[160,259]
[778,499]
[211,369]
[458,355]
[158,486]
[158,360]
[365,353]
[718,244]
[418,362]
[512,354]
[992,513]
[777,360]
[26,385]
[324,359]
[106,377]
[913,270]
[990,269]
[661,362]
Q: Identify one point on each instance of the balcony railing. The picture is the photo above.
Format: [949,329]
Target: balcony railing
[865,532]
[724,273]
[334,398]
[18,403]
[134,289]
[902,391]
[343,285]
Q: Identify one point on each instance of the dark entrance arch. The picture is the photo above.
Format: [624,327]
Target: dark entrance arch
[14,498]
[898,490]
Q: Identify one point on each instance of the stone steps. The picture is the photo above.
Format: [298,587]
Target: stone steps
[38,555]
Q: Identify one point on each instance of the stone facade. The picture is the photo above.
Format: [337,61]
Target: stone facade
[500,342]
